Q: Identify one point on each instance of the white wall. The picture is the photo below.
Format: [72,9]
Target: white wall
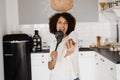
[1,56]
[113,19]
[2,32]
[43,9]
[39,11]
[87,32]
[12,13]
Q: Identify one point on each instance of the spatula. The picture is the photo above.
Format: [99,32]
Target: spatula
[59,37]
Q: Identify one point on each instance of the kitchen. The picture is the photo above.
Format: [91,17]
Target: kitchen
[90,25]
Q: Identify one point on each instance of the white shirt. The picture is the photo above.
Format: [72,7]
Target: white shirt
[65,68]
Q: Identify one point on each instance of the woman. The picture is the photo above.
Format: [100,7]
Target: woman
[64,63]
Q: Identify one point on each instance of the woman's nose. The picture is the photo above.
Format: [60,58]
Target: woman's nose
[62,25]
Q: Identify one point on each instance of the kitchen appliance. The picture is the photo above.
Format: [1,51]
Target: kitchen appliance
[16,52]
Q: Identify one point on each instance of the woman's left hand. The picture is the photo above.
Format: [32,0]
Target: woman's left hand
[70,45]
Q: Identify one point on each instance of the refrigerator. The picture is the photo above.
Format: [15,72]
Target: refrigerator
[16,54]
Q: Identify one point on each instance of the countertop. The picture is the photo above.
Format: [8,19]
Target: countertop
[113,56]
[43,51]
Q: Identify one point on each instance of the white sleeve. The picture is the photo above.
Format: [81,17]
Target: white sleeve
[52,46]
[75,56]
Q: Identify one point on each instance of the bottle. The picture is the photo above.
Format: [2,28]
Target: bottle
[37,42]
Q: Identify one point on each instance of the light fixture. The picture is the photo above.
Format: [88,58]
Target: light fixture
[61,5]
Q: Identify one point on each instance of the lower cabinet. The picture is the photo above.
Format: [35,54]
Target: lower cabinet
[86,65]
[104,69]
[118,71]
[39,66]
[92,66]
[40,71]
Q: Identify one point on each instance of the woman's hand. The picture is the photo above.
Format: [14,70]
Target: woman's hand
[51,64]
[70,45]
[54,55]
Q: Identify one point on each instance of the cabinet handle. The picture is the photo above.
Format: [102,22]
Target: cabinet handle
[42,55]
[102,59]
[42,61]
[96,63]
[81,54]
[111,68]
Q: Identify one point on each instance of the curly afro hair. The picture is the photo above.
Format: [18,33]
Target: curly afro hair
[53,22]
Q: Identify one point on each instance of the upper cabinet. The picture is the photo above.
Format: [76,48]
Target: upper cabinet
[39,11]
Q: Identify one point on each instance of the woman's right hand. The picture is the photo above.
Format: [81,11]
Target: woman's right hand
[54,55]
[51,64]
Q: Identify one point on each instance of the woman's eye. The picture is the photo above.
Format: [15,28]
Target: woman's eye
[59,22]
[65,23]
[62,23]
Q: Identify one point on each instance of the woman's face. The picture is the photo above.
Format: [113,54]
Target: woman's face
[62,25]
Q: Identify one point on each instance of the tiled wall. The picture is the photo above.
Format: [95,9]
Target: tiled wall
[87,32]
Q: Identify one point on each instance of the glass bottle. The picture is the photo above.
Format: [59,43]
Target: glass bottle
[37,42]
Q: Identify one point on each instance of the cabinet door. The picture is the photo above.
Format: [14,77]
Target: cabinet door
[40,73]
[86,64]
[98,71]
[39,64]
[118,71]
[104,69]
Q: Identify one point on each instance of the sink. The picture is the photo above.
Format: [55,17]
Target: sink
[86,49]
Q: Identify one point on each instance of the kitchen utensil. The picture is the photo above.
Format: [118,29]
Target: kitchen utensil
[59,37]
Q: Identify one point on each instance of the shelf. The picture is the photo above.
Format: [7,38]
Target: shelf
[115,10]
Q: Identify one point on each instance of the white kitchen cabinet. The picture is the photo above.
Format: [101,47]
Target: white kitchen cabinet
[40,71]
[93,66]
[104,68]
[39,66]
[118,71]
[86,64]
